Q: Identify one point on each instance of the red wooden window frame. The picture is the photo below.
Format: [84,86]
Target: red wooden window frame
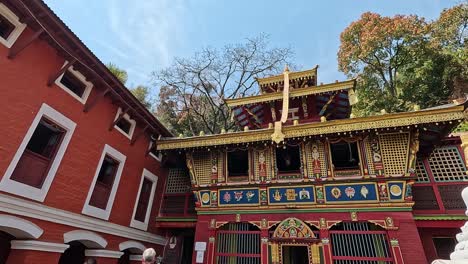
[40,152]
[144,199]
[104,182]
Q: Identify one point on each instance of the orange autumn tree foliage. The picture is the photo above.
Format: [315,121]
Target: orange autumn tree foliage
[381,46]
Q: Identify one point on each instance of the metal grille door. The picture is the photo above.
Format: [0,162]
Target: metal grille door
[360,243]
[238,243]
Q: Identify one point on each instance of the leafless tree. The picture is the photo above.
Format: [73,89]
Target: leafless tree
[193,90]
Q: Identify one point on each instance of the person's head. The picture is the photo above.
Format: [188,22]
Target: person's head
[90,261]
[149,256]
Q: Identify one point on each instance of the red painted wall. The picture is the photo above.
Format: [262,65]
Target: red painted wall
[22,93]
[427,234]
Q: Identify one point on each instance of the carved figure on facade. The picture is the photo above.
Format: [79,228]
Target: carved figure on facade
[376,155]
[409,191]
[383,191]
[319,193]
[414,148]
[316,169]
[262,168]
[214,167]
[189,161]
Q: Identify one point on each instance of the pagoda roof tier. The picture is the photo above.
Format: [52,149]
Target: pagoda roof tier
[292,76]
[434,116]
[299,92]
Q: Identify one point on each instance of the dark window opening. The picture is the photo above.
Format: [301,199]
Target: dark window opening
[104,183]
[5,246]
[6,27]
[345,156]
[124,125]
[34,164]
[444,246]
[73,83]
[288,160]
[75,254]
[143,200]
[238,163]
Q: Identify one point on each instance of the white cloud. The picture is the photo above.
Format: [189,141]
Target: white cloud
[148,30]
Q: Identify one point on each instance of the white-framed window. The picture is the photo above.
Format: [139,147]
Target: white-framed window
[126,125]
[106,180]
[38,157]
[153,153]
[75,84]
[10,26]
[144,200]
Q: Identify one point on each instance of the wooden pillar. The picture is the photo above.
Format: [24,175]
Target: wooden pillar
[264,246]
[326,247]
[396,251]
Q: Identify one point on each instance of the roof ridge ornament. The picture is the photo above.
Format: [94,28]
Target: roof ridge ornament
[278,135]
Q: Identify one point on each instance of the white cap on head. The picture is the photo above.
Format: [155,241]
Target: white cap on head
[149,255]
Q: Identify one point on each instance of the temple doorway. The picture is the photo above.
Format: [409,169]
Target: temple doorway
[295,254]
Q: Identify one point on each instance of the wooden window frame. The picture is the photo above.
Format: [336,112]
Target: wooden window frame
[154,179]
[81,78]
[95,211]
[19,27]
[131,121]
[38,194]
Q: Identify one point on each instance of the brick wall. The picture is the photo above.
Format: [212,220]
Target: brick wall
[24,90]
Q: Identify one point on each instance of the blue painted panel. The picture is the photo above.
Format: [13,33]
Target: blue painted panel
[366,192]
[294,194]
[238,197]
[396,190]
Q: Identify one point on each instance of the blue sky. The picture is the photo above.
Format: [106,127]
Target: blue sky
[141,36]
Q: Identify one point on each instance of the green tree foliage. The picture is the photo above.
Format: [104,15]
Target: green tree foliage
[141,92]
[118,72]
[193,90]
[401,61]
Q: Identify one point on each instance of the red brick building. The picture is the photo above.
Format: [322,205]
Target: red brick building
[78,177]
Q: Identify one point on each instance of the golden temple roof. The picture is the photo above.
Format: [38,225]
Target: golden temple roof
[441,114]
[267,97]
[292,76]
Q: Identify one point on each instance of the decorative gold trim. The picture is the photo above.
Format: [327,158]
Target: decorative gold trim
[293,75]
[319,128]
[299,92]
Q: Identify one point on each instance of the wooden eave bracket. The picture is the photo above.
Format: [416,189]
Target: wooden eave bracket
[137,136]
[54,77]
[22,44]
[91,103]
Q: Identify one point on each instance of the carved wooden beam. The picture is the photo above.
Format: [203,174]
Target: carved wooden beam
[137,136]
[121,115]
[54,77]
[21,45]
[90,103]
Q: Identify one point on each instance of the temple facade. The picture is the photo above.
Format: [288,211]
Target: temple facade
[304,181]
[86,171]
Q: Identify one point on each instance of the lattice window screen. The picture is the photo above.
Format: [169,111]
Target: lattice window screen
[447,164]
[178,181]
[394,150]
[202,167]
[421,171]
[370,162]
[256,154]
[450,195]
[323,164]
